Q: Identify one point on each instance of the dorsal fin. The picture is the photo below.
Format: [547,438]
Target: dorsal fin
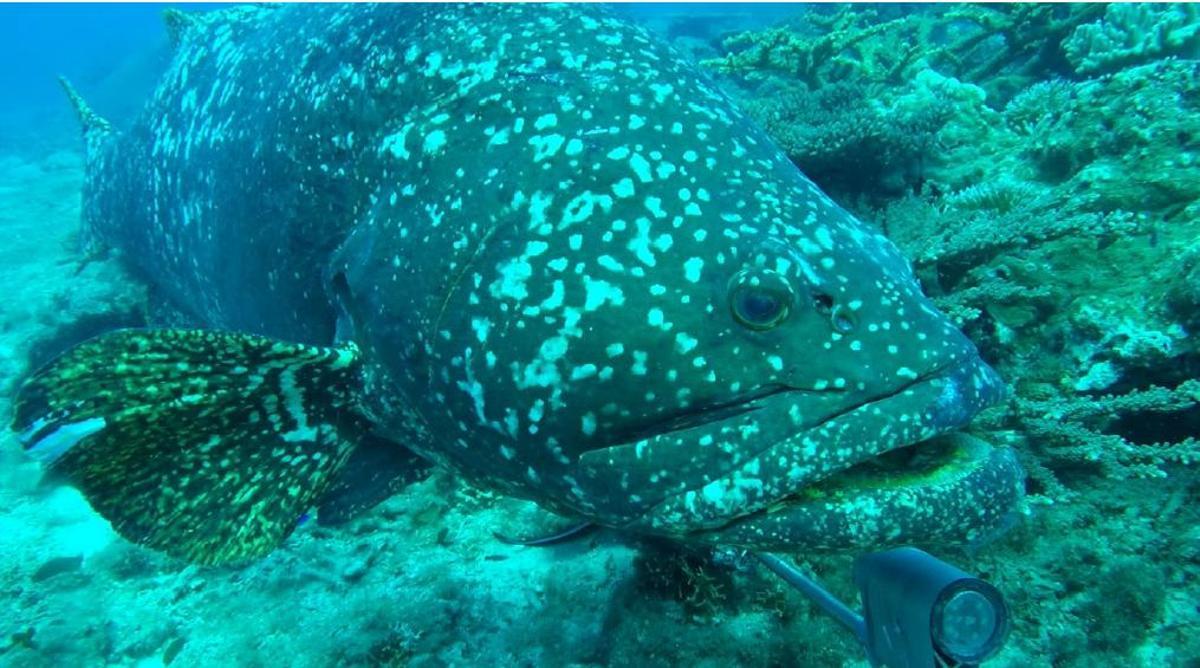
[95,128]
[178,24]
[183,26]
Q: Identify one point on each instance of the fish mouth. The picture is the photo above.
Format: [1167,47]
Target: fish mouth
[955,489]
[698,416]
[704,414]
[867,474]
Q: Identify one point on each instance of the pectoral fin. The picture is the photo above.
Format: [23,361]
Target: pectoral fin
[378,469]
[205,445]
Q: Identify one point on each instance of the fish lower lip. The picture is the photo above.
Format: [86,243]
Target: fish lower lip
[956,489]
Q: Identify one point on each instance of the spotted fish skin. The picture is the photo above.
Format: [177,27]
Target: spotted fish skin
[557,246]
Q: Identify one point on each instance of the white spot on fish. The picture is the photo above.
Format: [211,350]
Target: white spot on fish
[434,141]
[684,343]
[481,327]
[641,168]
[600,293]
[623,188]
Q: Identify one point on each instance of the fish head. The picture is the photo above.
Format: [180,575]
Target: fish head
[602,287]
[792,386]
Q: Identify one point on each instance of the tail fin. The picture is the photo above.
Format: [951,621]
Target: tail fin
[206,445]
[95,128]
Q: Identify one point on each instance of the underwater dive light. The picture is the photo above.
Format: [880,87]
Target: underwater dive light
[918,611]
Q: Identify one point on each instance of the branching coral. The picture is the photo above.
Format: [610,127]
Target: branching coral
[847,140]
[977,237]
[1134,33]
[1018,190]
[975,43]
[1125,141]
[1183,292]
[1024,37]
[1082,431]
[951,245]
[850,44]
[992,290]
[1048,120]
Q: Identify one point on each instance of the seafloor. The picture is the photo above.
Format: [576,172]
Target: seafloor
[1039,166]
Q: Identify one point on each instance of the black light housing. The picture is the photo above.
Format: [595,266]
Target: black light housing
[918,611]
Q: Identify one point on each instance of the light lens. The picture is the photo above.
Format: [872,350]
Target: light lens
[970,621]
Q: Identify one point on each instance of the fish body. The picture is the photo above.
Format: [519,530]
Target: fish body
[556,258]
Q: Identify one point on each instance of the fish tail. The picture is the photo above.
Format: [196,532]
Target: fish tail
[205,445]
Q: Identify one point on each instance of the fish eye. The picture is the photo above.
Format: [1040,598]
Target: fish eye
[760,299]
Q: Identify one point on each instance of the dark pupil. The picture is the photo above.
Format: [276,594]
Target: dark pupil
[759,306]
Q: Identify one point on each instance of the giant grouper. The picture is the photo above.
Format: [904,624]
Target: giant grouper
[527,243]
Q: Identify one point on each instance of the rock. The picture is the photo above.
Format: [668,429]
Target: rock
[172,650]
[57,566]
[355,570]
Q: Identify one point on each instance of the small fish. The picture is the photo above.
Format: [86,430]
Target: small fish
[528,243]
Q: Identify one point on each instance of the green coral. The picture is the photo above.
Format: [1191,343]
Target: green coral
[1000,46]
[1017,188]
[1183,291]
[1125,141]
[850,140]
[1134,33]
[870,105]
[849,44]
[1010,44]
[1070,434]
[686,575]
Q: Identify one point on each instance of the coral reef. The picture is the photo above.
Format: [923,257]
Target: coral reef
[998,46]
[1010,43]
[827,48]
[1054,213]
[1072,431]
